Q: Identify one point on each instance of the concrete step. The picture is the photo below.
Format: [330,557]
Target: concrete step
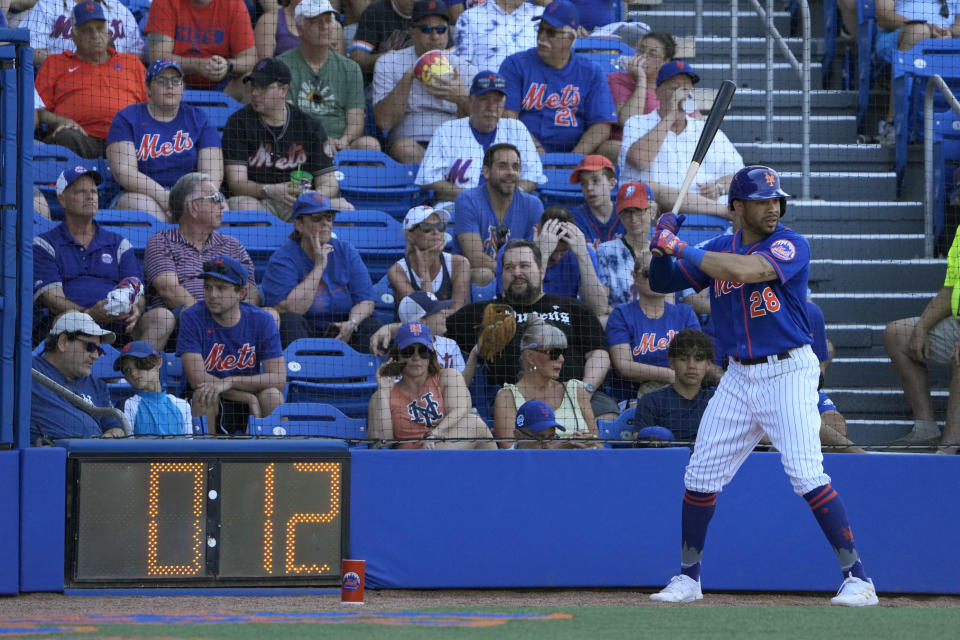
[681,20]
[839,185]
[877,275]
[839,217]
[851,307]
[787,156]
[867,430]
[753,75]
[874,371]
[712,48]
[881,403]
[866,246]
[741,128]
[860,339]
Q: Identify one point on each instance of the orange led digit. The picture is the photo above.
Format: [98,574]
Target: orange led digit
[333,468]
[153,506]
[268,484]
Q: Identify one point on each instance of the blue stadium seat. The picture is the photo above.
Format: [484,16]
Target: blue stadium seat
[216,104]
[375,234]
[603,51]
[139,8]
[620,429]
[557,190]
[946,159]
[385,306]
[49,161]
[911,70]
[484,293]
[308,419]
[172,376]
[700,227]
[260,232]
[117,385]
[135,226]
[374,180]
[41,224]
[867,30]
[327,370]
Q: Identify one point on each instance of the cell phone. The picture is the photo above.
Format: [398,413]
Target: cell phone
[392,369]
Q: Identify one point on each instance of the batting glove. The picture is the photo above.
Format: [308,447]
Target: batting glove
[665,243]
[671,222]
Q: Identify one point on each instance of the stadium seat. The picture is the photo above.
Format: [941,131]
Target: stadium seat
[485,293]
[49,161]
[946,159]
[620,429]
[260,232]
[700,227]
[375,234]
[385,306]
[327,370]
[41,224]
[603,51]
[103,370]
[308,419]
[135,226]
[374,180]
[557,190]
[172,376]
[911,71]
[216,104]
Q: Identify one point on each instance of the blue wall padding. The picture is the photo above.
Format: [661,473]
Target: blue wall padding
[516,518]
[9,522]
[42,518]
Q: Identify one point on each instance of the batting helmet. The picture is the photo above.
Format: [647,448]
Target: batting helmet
[758,182]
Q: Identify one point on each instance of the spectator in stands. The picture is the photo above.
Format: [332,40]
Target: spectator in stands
[71,349]
[457,7]
[77,263]
[277,31]
[150,145]
[425,266]
[615,258]
[934,336]
[150,410]
[318,283]
[268,141]
[408,108]
[173,264]
[384,26]
[42,118]
[420,402]
[630,89]
[50,22]
[679,405]
[490,214]
[422,306]
[488,33]
[903,24]
[231,352]
[563,99]
[597,218]
[211,39]
[657,147]
[325,84]
[640,332]
[454,156]
[595,14]
[536,426]
[542,348]
[91,85]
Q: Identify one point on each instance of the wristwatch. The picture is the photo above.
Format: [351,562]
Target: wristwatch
[589,387]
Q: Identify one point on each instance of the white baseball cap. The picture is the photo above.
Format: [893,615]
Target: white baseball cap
[420,213]
[78,322]
[313,8]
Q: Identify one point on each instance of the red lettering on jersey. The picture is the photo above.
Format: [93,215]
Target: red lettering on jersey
[650,343]
[151,149]
[217,361]
[721,287]
[535,98]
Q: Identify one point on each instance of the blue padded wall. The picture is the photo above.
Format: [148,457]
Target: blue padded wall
[43,478]
[9,522]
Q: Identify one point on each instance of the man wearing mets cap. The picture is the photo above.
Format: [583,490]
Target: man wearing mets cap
[455,154]
[563,100]
[50,21]
[637,209]
[78,263]
[318,282]
[231,351]
[91,85]
[70,350]
[596,217]
[657,147]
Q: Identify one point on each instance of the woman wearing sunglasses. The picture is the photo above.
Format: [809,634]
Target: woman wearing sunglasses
[151,144]
[420,404]
[541,360]
[425,266]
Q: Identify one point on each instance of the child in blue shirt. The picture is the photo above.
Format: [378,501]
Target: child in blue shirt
[151,411]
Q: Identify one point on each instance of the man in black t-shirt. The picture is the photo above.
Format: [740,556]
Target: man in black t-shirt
[384,26]
[267,141]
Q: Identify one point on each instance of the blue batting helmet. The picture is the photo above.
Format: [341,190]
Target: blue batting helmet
[758,182]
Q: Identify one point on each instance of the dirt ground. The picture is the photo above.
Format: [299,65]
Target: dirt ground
[46,605]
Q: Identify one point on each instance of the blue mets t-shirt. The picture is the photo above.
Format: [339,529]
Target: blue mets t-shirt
[649,337]
[230,351]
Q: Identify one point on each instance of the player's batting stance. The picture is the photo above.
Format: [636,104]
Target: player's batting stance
[758,283]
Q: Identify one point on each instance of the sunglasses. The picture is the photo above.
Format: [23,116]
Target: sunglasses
[215,197]
[140,364]
[425,28]
[550,32]
[427,227]
[553,354]
[419,349]
[91,347]
[490,81]
[326,216]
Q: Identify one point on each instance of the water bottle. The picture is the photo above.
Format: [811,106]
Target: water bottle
[689,105]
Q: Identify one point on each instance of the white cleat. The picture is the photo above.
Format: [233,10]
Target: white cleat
[855,592]
[681,588]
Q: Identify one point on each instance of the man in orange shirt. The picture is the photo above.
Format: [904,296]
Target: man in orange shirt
[91,85]
[211,39]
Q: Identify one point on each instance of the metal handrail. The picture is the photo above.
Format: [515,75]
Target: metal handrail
[935,82]
[801,67]
[82,403]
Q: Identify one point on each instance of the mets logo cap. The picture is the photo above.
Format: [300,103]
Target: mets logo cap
[309,203]
[137,349]
[676,68]
[69,176]
[86,11]
[227,269]
[414,333]
[161,65]
[536,416]
[560,14]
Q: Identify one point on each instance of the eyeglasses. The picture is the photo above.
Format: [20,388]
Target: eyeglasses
[421,350]
[553,354]
[168,82]
[490,81]
[427,227]
[139,364]
[425,28]
[91,347]
[324,216]
[216,198]
[550,32]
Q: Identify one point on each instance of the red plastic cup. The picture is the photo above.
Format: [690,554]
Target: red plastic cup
[352,579]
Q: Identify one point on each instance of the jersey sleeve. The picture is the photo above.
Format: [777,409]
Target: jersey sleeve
[270,337]
[121,128]
[188,338]
[466,219]
[435,162]
[617,330]
[366,38]
[129,265]
[510,70]
[279,280]
[600,107]
[207,134]
[46,273]
[788,254]
[161,18]
[668,275]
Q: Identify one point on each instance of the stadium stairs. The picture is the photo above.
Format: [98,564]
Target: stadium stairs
[868,266]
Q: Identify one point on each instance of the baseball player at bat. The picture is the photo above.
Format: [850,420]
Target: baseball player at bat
[758,282]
